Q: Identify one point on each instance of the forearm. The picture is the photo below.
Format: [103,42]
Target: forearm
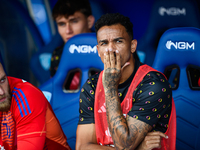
[86,138]
[126,133]
[117,123]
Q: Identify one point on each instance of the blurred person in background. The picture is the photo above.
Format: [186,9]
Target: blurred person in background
[72,17]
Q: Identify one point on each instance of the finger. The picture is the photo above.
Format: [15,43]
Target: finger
[156,145]
[153,140]
[112,58]
[158,133]
[106,59]
[118,60]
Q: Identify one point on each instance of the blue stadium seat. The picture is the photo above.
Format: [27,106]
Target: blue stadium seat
[40,61]
[79,53]
[167,14]
[179,49]
[19,39]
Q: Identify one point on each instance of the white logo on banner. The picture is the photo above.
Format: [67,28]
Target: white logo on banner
[82,49]
[173,11]
[180,45]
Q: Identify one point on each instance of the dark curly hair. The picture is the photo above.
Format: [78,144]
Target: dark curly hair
[113,19]
[69,7]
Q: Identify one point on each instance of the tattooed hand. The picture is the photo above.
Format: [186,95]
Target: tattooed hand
[112,69]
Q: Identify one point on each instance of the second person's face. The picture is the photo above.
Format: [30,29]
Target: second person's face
[73,25]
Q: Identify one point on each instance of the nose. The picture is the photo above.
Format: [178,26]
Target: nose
[112,46]
[1,91]
[68,28]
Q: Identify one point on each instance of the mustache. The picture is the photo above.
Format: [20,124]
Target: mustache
[5,105]
[2,96]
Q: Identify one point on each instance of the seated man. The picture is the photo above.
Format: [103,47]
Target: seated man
[72,17]
[27,119]
[120,106]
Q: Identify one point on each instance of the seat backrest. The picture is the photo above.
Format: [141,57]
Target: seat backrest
[79,53]
[167,14]
[19,39]
[178,53]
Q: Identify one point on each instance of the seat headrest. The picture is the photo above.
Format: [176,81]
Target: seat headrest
[167,14]
[79,52]
[174,13]
[178,46]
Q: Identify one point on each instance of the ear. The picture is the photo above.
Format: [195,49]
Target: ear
[98,49]
[90,20]
[133,46]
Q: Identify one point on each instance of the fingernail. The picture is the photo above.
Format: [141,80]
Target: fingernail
[166,137]
[106,49]
[110,49]
[104,54]
[117,51]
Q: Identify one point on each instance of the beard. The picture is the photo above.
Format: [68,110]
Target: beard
[5,105]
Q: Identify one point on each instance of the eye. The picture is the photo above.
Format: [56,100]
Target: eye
[103,43]
[61,24]
[119,41]
[75,20]
[3,80]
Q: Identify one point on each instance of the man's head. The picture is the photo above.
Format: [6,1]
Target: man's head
[5,93]
[113,19]
[114,31]
[73,17]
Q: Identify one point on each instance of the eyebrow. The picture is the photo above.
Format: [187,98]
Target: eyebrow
[70,19]
[102,41]
[73,18]
[119,38]
[105,40]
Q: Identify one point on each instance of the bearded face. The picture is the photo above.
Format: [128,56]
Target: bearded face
[5,92]
[5,100]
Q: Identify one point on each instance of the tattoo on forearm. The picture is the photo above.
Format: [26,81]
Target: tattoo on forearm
[111,78]
[124,133]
